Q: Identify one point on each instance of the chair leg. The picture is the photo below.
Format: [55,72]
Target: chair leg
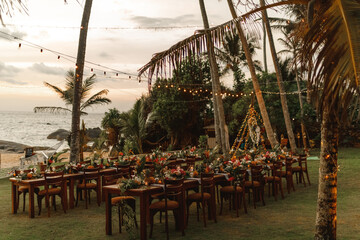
[151,223]
[86,198]
[243,197]
[197,211]
[39,204]
[203,210]
[221,202]
[303,178]
[166,225]
[120,218]
[254,197]
[24,194]
[307,176]
[48,204]
[187,212]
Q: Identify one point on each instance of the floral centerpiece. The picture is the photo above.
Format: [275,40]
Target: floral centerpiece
[25,175]
[175,173]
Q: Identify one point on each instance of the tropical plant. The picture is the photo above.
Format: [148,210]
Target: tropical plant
[233,56]
[134,123]
[67,95]
[111,121]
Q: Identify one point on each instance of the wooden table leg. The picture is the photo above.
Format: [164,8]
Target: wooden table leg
[99,191]
[13,198]
[31,201]
[144,202]
[71,193]
[108,212]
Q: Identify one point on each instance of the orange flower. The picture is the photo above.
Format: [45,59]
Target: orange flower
[90,167]
[195,173]
[29,175]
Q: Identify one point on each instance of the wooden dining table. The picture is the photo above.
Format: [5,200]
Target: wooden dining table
[144,194]
[36,182]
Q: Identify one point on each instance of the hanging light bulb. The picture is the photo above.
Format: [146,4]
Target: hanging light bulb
[19,45]
[117,74]
[41,50]
[59,57]
[104,73]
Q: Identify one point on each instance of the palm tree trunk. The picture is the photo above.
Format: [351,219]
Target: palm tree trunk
[303,132]
[259,97]
[264,52]
[218,104]
[280,82]
[327,190]
[75,124]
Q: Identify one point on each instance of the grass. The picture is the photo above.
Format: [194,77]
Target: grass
[291,218]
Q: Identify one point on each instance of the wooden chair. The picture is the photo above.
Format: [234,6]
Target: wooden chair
[205,197]
[235,194]
[256,184]
[116,201]
[288,173]
[301,169]
[23,190]
[87,184]
[275,180]
[125,170]
[173,201]
[55,184]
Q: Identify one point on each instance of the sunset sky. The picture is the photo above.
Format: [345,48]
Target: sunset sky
[114,41]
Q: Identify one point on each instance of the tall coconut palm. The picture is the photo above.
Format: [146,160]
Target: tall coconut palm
[258,94]
[335,46]
[67,95]
[279,78]
[292,46]
[80,62]
[217,96]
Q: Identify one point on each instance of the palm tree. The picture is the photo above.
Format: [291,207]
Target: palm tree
[80,62]
[233,56]
[279,77]
[335,46]
[292,46]
[67,95]
[134,123]
[218,104]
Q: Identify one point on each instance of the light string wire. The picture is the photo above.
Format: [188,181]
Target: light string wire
[66,56]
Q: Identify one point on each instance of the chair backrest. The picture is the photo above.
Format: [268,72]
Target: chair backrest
[288,164]
[54,178]
[190,162]
[302,160]
[207,183]
[112,179]
[124,169]
[91,173]
[174,189]
[277,167]
[256,173]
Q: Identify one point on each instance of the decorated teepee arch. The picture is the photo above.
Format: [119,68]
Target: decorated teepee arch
[250,129]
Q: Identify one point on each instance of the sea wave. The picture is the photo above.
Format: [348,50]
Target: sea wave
[32,129]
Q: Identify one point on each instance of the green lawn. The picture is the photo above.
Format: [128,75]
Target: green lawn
[291,218]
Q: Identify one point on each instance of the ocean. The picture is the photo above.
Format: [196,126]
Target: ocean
[32,129]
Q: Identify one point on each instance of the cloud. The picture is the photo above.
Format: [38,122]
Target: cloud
[105,55]
[7,34]
[42,68]
[187,19]
[8,73]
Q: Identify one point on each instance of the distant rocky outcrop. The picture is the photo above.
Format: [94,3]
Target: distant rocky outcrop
[59,134]
[12,147]
[93,132]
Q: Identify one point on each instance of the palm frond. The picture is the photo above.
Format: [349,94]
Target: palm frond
[87,85]
[96,99]
[163,62]
[56,89]
[56,110]
[7,7]
[334,42]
